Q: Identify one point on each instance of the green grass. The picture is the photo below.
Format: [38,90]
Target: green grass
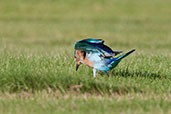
[76,105]
[37,69]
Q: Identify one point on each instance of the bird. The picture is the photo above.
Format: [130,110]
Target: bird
[94,53]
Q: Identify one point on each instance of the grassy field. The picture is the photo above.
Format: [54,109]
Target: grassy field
[37,69]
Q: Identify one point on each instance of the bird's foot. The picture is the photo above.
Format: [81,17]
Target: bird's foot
[94,73]
[107,74]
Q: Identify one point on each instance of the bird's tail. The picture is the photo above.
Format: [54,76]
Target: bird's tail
[124,55]
[114,62]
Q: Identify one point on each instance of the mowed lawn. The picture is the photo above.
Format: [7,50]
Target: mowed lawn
[37,69]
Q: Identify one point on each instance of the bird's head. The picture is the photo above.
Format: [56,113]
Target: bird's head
[79,57]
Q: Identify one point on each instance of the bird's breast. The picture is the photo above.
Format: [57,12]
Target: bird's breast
[88,62]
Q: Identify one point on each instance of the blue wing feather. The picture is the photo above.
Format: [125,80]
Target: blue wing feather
[96,46]
[93,41]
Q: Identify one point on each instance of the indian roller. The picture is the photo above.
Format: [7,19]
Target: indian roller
[93,53]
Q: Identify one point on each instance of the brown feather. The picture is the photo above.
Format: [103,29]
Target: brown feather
[81,57]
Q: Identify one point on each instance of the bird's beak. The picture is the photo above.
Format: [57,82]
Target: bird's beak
[77,67]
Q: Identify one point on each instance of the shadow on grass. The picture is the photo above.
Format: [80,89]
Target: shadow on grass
[128,73]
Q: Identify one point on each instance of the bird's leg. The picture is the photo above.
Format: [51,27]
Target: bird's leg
[94,72]
[107,74]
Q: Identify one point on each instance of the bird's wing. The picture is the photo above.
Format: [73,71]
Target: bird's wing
[93,41]
[95,46]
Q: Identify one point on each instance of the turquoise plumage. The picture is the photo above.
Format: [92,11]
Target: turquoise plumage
[93,53]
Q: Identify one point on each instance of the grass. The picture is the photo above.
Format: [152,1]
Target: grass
[37,69]
[82,104]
